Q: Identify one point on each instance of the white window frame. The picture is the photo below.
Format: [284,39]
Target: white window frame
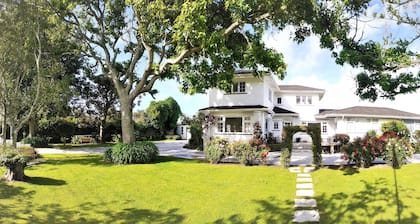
[238,88]
[276,123]
[324,127]
[287,123]
[246,124]
[278,100]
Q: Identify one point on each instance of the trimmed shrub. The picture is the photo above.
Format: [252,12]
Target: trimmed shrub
[216,150]
[245,153]
[36,142]
[137,152]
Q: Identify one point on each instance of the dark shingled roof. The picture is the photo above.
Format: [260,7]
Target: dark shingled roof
[382,112]
[279,110]
[298,88]
[234,107]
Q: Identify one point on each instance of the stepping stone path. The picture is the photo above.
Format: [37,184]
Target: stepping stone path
[305,204]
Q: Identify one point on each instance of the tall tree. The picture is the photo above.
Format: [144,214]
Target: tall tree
[98,95]
[200,43]
[32,71]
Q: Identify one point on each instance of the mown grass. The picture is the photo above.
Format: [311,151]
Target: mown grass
[84,189]
[77,146]
[374,195]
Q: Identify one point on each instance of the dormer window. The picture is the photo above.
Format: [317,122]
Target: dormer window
[238,87]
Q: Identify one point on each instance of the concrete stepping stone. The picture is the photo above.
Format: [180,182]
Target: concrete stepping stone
[303,175]
[305,186]
[305,193]
[295,169]
[306,216]
[304,179]
[305,203]
[308,169]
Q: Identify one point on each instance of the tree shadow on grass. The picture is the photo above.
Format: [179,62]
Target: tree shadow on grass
[45,181]
[26,211]
[270,210]
[371,203]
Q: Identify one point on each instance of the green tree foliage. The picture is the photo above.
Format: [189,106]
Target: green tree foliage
[34,62]
[397,127]
[163,115]
[97,95]
[200,43]
[390,66]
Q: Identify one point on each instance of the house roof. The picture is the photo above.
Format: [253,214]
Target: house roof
[301,89]
[373,112]
[234,107]
[279,110]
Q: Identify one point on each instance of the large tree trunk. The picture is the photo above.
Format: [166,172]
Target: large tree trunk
[15,171]
[13,136]
[127,123]
[32,127]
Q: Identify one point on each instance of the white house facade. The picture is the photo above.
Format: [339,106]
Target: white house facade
[260,100]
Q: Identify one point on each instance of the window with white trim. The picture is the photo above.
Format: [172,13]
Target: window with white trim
[234,125]
[238,87]
[324,127]
[276,125]
[247,125]
[304,100]
[220,124]
[278,100]
[287,123]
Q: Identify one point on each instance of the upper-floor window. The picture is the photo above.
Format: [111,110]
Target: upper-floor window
[270,95]
[324,127]
[303,99]
[238,87]
[278,100]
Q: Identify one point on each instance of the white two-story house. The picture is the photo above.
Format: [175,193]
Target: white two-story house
[261,100]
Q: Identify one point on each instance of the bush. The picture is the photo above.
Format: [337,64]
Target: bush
[36,142]
[215,150]
[342,139]
[137,152]
[246,154]
[396,151]
[196,140]
[398,127]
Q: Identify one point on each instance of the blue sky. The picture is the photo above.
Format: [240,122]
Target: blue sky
[309,65]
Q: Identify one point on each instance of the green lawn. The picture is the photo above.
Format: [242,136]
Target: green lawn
[77,146]
[368,195]
[83,189]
